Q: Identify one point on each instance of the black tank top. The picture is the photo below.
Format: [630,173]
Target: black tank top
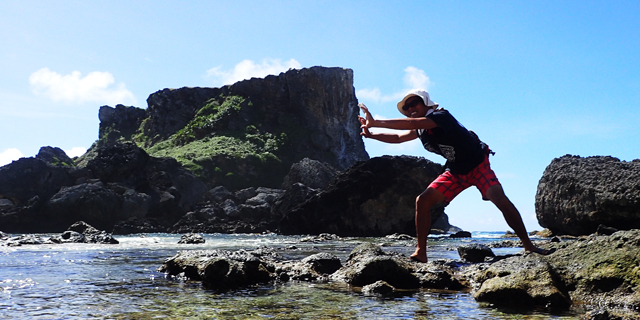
[453,141]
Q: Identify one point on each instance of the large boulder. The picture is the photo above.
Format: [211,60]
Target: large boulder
[372,198]
[576,195]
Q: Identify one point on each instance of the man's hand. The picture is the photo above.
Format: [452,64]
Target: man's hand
[365,122]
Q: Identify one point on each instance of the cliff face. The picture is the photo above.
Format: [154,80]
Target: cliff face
[251,132]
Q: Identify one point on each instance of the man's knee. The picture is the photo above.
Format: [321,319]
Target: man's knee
[428,198]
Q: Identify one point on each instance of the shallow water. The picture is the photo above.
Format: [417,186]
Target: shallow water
[87,281]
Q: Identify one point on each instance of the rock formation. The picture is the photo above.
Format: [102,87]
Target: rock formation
[250,133]
[121,182]
[575,195]
[372,198]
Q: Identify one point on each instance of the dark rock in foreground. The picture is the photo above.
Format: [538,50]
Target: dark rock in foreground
[576,195]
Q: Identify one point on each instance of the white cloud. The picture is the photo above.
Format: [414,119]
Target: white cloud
[9,155]
[414,78]
[73,88]
[248,69]
[75,152]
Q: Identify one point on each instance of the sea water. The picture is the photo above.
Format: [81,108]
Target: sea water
[95,281]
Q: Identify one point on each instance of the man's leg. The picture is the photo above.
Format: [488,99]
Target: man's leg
[424,202]
[496,194]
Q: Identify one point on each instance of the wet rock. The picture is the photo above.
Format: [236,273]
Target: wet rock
[316,267]
[220,270]
[475,252]
[25,239]
[191,238]
[522,282]
[69,237]
[323,263]
[377,288]
[321,238]
[367,264]
[91,234]
[575,195]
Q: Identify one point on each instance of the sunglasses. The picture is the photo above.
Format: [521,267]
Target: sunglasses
[412,103]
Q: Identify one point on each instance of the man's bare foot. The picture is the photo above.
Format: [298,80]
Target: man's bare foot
[419,256]
[544,252]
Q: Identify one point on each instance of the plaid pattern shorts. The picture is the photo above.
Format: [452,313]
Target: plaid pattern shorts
[450,185]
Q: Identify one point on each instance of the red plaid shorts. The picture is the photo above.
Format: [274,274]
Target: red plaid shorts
[450,185]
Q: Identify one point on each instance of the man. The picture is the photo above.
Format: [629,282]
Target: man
[467,163]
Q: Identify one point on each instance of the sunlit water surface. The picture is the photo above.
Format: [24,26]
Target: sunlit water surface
[85,281]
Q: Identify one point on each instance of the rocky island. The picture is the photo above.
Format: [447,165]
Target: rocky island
[284,154]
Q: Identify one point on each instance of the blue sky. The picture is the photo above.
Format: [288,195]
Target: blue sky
[534,79]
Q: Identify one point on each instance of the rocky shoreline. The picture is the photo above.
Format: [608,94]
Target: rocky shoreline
[597,272]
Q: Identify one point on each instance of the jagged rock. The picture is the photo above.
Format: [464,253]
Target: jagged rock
[475,252]
[191,238]
[54,156]
[119,122]
[575,195]
[372,198]
[311,173]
